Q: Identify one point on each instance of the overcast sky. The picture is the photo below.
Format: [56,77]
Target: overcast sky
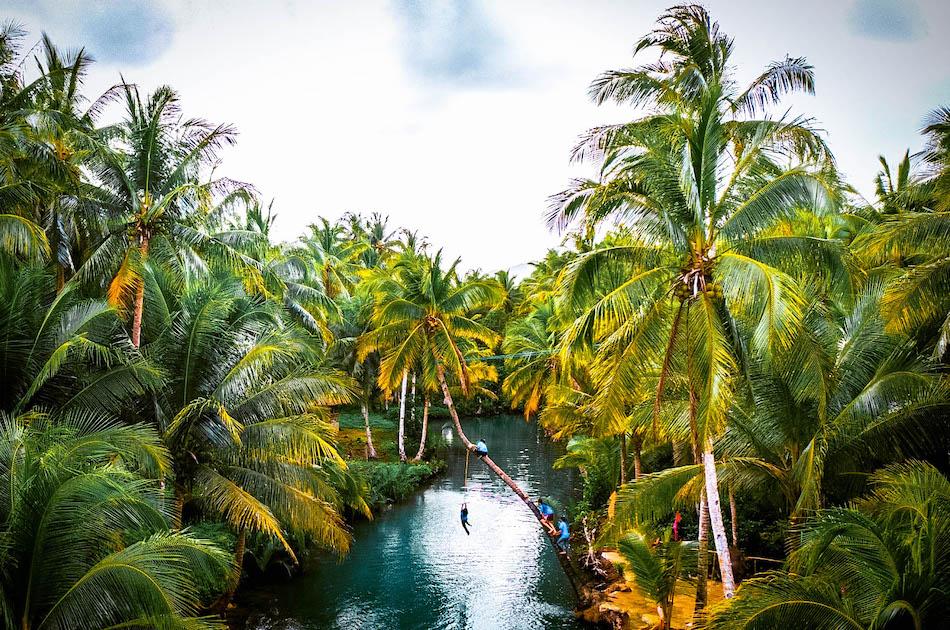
[456,117]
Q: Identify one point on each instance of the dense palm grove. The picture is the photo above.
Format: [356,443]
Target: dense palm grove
[732,334]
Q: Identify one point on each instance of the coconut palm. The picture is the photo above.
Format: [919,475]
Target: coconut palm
[656,568]
[156,200]
[699,183]
[244,413]
[844,396]
[62,350]
[882,563]
[84,529]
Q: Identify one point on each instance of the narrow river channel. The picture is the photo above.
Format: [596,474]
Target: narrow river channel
[414,566]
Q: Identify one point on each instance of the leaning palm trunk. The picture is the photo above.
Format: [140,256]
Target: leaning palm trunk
[402,418]
[562,556]
[715,520]
[370,449]
[733,518]
[425,428]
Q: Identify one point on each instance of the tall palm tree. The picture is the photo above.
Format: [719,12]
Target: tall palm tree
[156,200]
[698,182]
[914,243]
[85,539]
[882,563]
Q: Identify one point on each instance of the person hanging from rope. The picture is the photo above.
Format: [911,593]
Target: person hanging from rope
[565,536]
[464,515]
[547,515]
[481,449]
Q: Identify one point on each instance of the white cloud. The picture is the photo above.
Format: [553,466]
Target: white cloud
[334,116]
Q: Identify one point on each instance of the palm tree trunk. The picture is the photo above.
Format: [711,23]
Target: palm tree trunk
[239,548]
[715,520]
[370,449]
[402,418]
[702,560]
[412,401]
[562,556]
[732,518]
[139,299]
[425,428]
[637,452]
[623,458]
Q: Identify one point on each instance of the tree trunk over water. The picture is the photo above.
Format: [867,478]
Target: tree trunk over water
[425,427]
[370,449]
[563,559]
[402,418]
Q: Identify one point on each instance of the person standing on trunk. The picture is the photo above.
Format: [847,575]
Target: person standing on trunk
[481,449]
[565,536]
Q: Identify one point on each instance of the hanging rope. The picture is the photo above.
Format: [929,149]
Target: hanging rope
[465,480]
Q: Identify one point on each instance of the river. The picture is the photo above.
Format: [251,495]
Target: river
[414,566]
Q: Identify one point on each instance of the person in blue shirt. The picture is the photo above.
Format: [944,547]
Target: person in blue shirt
[464,515]
[547,515]
[481,449]
[565,535]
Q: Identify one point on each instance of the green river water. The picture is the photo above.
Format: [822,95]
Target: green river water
[414,567]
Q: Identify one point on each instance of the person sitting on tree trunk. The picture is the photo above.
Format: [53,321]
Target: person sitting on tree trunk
[565,536]
[465,522]
[481,449]
[547,516]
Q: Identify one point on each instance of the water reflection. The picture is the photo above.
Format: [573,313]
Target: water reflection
[415,567]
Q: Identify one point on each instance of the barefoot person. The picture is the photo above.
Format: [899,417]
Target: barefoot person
[547,515]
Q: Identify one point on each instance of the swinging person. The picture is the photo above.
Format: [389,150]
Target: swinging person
[464,515]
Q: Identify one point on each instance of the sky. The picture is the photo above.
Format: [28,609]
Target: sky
[456,117]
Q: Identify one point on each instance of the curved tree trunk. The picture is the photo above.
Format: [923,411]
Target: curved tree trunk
[402,419]
[425,428]
[370,449]
[716,522]
[563,559]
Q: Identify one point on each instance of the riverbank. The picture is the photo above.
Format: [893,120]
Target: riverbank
[503,574]
[623,606]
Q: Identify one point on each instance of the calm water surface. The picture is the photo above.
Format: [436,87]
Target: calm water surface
[414,567]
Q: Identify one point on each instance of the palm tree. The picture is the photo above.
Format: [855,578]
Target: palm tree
[155,199]
[698,183]
[63,351]
[244,412]
[656,568]
[85,530]
[914,243]
[355,322]
[845,395]
[882,563]
[332,258]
